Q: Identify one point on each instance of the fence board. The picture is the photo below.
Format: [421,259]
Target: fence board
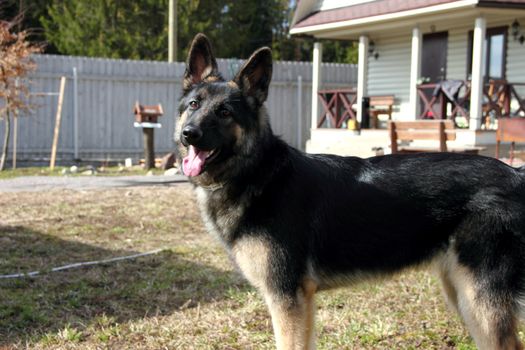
[108,88]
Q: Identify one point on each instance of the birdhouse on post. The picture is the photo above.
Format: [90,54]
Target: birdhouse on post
[146,117]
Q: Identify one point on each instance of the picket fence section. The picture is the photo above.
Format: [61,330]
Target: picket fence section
[97,115]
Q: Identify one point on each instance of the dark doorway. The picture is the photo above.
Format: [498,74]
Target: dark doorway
[434,57]
[434,67]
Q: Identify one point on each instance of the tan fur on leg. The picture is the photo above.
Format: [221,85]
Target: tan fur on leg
[492,324]
[309,288]
[289,324]
[450,292]
[293,320]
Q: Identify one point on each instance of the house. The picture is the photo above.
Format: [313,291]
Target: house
[458,59]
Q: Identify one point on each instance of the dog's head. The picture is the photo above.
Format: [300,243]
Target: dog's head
[220,121]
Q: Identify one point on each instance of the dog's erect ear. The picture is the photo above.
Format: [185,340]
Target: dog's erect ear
[255,75]
[201,62]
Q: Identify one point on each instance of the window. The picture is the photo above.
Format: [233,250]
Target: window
[495,53]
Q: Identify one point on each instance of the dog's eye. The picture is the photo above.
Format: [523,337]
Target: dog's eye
[194,104]
[225,113]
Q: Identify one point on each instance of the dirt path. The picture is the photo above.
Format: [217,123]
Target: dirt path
[45,183]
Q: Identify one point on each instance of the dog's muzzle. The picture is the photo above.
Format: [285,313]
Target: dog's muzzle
[191,134]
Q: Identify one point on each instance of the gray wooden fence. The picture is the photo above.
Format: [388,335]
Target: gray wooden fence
[97,118]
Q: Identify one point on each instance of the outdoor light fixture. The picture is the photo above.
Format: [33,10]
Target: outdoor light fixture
[515,30]
[372,50]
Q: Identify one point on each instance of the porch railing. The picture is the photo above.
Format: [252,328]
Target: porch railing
[446,100]
[451,99]
[338,107]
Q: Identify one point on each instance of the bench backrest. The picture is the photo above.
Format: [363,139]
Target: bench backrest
[511,130]
[439,130]
[387,100]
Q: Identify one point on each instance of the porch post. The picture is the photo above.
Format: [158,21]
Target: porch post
[476,94]
[316,81]
[362,73]
[415,71]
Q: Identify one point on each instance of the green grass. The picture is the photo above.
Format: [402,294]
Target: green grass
[30,171]
[186,297]
[57,171]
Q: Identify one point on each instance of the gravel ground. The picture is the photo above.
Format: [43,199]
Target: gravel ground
[46,183]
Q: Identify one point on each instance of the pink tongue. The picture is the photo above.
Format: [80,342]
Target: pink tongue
[192,164]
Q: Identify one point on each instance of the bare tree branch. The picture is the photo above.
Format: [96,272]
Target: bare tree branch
[15,65]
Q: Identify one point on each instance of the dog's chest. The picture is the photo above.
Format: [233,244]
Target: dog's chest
[221,216]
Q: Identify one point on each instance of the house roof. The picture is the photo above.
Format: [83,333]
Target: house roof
[304,18]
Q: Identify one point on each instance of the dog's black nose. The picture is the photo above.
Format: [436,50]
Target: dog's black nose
[191,134]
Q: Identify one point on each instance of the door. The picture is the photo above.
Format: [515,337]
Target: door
[434,57]
[434,69]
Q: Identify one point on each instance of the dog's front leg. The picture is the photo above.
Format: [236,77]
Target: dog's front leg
[293,318]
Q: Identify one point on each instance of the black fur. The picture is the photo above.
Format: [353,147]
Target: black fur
[333,219]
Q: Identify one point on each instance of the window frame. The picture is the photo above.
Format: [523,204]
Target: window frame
[489,32]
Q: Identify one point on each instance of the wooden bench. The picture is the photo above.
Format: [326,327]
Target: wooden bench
[434,130]
[510,130]
[380,105]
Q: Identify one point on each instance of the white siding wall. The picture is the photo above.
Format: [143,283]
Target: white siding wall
[457,52]
[390,73]
[516,60]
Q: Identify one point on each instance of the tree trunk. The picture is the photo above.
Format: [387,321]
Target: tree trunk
[5,147]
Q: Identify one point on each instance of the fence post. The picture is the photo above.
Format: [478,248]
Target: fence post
[58,119]
[75,114]
[299,112]
[15,129]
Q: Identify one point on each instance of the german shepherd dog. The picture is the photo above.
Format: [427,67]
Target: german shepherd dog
[296,223]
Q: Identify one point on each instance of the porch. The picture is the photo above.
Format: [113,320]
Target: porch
[458,61]
[371,142]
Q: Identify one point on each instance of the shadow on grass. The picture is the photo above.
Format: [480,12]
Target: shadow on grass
[153,285]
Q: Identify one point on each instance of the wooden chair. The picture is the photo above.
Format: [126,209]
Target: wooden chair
[510,130]
[434,130]
[496,94]
[380,105]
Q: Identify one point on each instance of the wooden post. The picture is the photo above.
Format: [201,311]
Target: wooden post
[149,152]
[393,136]
[442,137]
[57,122]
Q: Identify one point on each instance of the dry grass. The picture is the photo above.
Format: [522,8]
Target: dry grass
[186,297]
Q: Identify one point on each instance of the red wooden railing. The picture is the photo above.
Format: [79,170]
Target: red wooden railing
[497,101]
[337,106]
